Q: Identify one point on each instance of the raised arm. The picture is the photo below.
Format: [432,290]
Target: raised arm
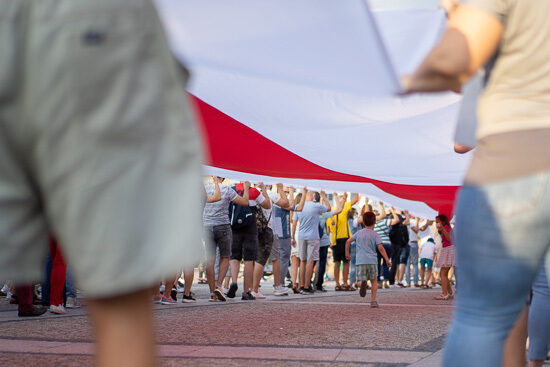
[338,203]
[217,193]
[290,198]
[283,201]
[324,200]
[472,37]
[407,220]
[354,199]
[395,219]
[382,214]
[243,200]
[266,204]
[303,200]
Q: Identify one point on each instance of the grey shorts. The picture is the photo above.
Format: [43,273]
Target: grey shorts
[275,250]
[97,143]
[219,237]
[309,250]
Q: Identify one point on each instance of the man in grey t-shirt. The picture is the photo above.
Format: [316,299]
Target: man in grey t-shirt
[218,229]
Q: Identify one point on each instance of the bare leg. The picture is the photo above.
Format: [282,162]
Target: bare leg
[294,270]
[226,282]
[257,276]
[224,264]
[345,273]
[308,273]
[248,275]
[169,284]
[337,272]
[514,349]
[374,288]
[188,276]
[428,276]
[400,273]
[303,264]
[123,323]
[445,281]
[210,275]
[422,275]
[276,272]
[235,264]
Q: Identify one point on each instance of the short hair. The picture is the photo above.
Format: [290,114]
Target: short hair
[369,219]
[316,197]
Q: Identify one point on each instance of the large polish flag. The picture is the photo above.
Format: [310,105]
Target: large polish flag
[307,92]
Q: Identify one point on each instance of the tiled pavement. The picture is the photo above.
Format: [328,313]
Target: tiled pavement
[332,329]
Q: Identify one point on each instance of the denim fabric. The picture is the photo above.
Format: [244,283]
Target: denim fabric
[501,237]
[404,254]
[539,318]
[46,281]
[413,260]
[284,257]
[383,269]
[321,267]
[70,289]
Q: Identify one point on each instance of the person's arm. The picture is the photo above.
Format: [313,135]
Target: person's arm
[354,199]
[472,37]
[382,214]
[266,204]
[445,233]
[243,200]
[415,227]
[302,201]
[348,244]
[461,149]
[293,234]
[338,204]
[407,220]
[395,219]
[217,192]
[283,201]
[290,199]
[324,200]
[428,223]
[384,254]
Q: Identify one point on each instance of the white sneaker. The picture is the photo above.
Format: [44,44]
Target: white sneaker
[72,303]
[280,291]
[60,310]
[258,295]
[5,288]
[224,290]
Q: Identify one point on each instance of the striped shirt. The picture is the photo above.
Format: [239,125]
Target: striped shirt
[382,228]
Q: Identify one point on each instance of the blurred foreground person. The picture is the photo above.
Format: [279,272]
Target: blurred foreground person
[502,234]
[97,145]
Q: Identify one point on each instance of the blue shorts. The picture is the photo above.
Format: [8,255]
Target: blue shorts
[424,262]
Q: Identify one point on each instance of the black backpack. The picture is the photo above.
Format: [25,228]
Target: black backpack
[241,216]
[399,234]
[261,220]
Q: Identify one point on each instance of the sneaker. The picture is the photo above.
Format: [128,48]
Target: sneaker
[321,289]
[401,285]
[280,291]
[218,293]
[167,301]
[258,295]
[308,291]
[60,310]
[71,303]
[35,311]
[247,296]
[224,290]
[386,284]
[213,298]
[363,289]
[232,290]
[174,294]
[416,285]
[188,299]
[157,299]
[374,304]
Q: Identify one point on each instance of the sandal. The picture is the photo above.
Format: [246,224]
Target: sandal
[338,288]
[441,298]
[349,288]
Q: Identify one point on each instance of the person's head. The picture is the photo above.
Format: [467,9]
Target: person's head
[316,197]
[369,219]
[442,220]
[298,198]
[352,213]
[310,195]
[220,179]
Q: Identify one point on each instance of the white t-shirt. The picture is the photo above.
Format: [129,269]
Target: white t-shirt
[427,251]
[274,197]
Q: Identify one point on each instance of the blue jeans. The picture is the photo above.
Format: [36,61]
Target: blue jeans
[46,280]
[413,260]
[383,269]
[502,237]
[352,270]
[539,318]
[321,266]
[70,289]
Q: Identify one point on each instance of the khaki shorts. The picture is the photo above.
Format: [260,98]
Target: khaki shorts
[97,145]
[309,250]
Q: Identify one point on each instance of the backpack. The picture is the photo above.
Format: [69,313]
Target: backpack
[399,234]
[241,216]
[261,220]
